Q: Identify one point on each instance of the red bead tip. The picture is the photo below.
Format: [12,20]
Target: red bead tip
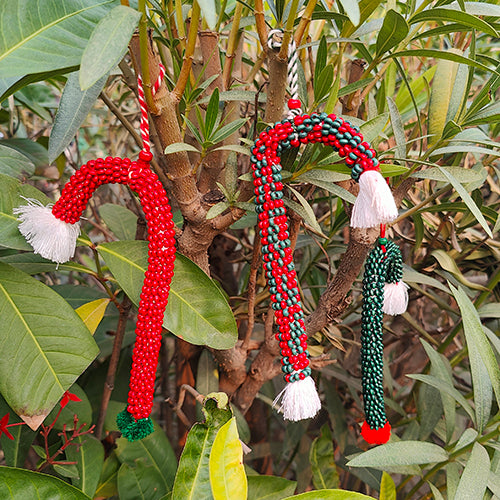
[145,156]
[294,104]
[376,436]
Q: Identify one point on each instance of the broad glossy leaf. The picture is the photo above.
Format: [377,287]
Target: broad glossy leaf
[44,346]
[156,452]
[34,151]
[108,481]
[121,220]
[14,163]
[227,473]
[394,29]
[11,192]
[74,106]
[270,487]
[480,350]
[21,484]
[196,312]
[46,35]
[400,453]
[138,481]
[474,478]
[192,481]
[330,495]
[444,14]
[387,488]
[89,456]
[322,461]
[92,313]
[467,200]
[107,44]
[15,450]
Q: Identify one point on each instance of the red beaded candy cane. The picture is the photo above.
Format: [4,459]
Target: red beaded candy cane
[52,231]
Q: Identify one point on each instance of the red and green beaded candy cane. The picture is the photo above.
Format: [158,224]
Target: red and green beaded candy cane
[374,206]
[52,231]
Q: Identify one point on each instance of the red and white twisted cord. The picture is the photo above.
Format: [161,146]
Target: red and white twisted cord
[146,144]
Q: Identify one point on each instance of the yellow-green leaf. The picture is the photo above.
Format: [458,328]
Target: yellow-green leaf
[387,488]
[92,313]
[227,473]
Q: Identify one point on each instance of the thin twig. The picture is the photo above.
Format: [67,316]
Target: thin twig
[252,285]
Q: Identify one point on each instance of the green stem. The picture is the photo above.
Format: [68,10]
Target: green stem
[287,34]
[221,15]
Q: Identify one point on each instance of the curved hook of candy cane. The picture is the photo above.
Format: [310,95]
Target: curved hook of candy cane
[38,223]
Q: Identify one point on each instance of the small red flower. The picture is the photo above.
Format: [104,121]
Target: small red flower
[68,396]
[3,426]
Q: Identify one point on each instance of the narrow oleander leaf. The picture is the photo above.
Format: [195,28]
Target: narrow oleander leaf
[397,128]
[351,8]
[44,345]
[474,479]
[197,311]
[177,147]
[107,44]
[209,12]
[394,29]
[21,484]
[74,107]
[387,488]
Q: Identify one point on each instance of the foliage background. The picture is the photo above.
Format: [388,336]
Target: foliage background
[420,78]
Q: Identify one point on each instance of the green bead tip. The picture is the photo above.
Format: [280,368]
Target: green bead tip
[132,429]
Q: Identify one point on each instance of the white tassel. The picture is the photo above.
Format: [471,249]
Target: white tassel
[49,236]
[375,204]
[395,298]
[298,400]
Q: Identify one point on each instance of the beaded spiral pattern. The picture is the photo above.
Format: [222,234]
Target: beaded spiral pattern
[134,422]
[276,252]
[383,265]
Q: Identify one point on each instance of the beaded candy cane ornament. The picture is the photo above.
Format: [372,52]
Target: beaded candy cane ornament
[52,231]
[374,205]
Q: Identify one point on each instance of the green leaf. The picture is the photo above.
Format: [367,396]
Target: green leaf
[330,495]
[21,484]
[400,453]
[11,192]
[138,481]
[157,454]
[488,114]
[121,220]
[394,29]
[317,177]
[31,263]
[217,209]
[207,375]
[14,163]
[209,12]
[108,481]
[89,456]
[321,57]
[374,127]
[441,385]
[44,345]
[397,128]
[69,471]
[322,460]
[305,211]
[41,36]
[269,487]
[74,107]
[435,492]
[462,175]
[324,83]
[387,488]
[233,147]
[192,480]
[92,313]
[480,350]
[227,473]
[212,112]
[178,147]
[197,311]
[227,130]
[448,55]
[351,8]
[471,205]
[465,148]
[107,44]
[443,14]
[474,478]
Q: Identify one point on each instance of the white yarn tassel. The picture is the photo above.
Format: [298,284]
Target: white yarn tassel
[375,204]
[49,236]
[298,400]
[395,298]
